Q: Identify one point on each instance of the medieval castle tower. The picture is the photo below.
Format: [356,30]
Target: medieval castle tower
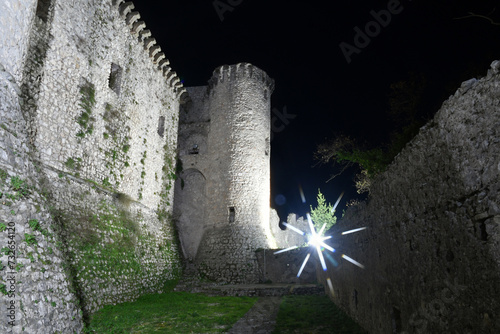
[222,199]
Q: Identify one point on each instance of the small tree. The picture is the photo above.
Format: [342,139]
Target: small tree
[323,214]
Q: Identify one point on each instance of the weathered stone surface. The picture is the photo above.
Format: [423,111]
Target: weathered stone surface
[16,19]
[284,267]
[32,273]
[89,123]
[431,250]
[223,207]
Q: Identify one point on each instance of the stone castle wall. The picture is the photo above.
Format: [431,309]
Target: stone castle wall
[89,116]
[35,288]
[224,192]
[18,16]
[239,144]
[190,209]
[284,267]
[103,103]
[432,247]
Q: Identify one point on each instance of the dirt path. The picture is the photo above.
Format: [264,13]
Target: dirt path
[260,319]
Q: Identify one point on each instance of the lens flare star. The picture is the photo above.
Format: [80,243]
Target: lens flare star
[316,242]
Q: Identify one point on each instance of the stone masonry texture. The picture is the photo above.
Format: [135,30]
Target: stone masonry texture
[88,139]
[222,201]
[432,244]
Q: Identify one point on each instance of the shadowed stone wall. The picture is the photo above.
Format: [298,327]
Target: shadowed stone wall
[432,247]
[284,267]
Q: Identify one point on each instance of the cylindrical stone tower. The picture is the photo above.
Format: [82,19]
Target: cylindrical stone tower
[238,180]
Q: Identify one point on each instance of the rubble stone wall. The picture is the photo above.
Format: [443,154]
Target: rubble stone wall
[88,137]
[431,249]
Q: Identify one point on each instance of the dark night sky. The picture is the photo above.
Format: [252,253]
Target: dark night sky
[297,44]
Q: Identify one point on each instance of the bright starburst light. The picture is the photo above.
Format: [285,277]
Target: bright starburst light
[316,241]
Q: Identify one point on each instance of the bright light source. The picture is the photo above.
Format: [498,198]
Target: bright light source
[316,241]
[321,259]
[293,228]
[303,264]
[338,201]
[330,286]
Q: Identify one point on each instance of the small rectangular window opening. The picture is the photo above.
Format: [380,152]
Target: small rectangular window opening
[161,126]
[232,214]
[115,78]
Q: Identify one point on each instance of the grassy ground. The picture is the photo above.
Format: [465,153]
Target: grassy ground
[313,314]
[182,312]
[171,312]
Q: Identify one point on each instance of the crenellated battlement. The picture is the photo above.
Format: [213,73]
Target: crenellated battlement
[138,28]
[238,71]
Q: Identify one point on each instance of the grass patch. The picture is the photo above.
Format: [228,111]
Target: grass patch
[3,176]
[87,103]
[70,163]
[171,312]
[20,186]
[30,239]
[313,314]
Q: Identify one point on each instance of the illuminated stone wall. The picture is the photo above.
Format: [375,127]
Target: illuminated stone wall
[35,289]
[88,139]
[432,247]
[226,147]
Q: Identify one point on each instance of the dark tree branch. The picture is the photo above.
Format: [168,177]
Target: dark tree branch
[349,164]
[486,17]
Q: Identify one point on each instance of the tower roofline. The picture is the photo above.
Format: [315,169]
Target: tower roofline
[237,71]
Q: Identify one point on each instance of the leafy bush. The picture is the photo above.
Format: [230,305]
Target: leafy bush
[3,176]
[3,289]
[70,163]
